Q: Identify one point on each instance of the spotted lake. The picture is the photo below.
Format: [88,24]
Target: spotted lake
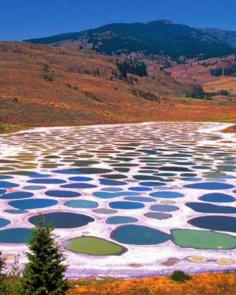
[125,200]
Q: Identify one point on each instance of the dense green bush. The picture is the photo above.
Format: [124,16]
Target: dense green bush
[180,276]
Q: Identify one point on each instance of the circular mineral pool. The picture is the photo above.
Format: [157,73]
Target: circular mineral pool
[83,171]
[4,177]
[38,175]
[158,215]
[6,184]
[110,195]
[15,235]
[188,175]
[200,239]
[164,208]
[63,219]
[85,163]
[104,211]
[106,195]
[4,222]
[152,183]
[126,205]
[32,203]
[167,174]
[140,189]
[62,194]
[80,178]
[111,189]
[175,169]
[167,195]
[114,176]
[121,220]
[146,177]
[139,199]
[82,185]
[199,167]
[217,198]
[110,182]
[15,211]
[16,195]
[46,181]
[34,187]
[81,204]
[215,222]
[211,208]
[94,246]
[210,185]
[139,235]
[2,191]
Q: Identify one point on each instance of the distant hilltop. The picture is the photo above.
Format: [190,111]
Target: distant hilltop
[152,38]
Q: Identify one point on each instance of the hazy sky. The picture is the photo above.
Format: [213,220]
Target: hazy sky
[22,19]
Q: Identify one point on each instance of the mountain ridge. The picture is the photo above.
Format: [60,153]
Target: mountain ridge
[151,38]
[228,37]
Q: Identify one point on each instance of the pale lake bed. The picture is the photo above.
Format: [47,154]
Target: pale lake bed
[125,200]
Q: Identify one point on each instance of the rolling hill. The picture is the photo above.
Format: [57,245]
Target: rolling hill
[153,38]
[42,85]
[214,74]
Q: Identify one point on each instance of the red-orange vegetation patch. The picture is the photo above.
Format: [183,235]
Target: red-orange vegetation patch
[203,284]
[46,86]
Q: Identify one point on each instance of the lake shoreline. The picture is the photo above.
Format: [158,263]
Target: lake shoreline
[6,128]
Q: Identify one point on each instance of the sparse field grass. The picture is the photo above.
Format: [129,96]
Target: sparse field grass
[225,83]
[10,128]
[199,284]
[203,284]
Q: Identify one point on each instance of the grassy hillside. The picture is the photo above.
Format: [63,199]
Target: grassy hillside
[46,86]
[215,74]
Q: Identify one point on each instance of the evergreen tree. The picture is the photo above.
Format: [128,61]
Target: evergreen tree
[131,66]
[44,272]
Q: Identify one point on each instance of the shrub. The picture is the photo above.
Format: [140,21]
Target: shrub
[145,94]
[196,91]
[223,92]
[180,276]
[16,99]
[47,73]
